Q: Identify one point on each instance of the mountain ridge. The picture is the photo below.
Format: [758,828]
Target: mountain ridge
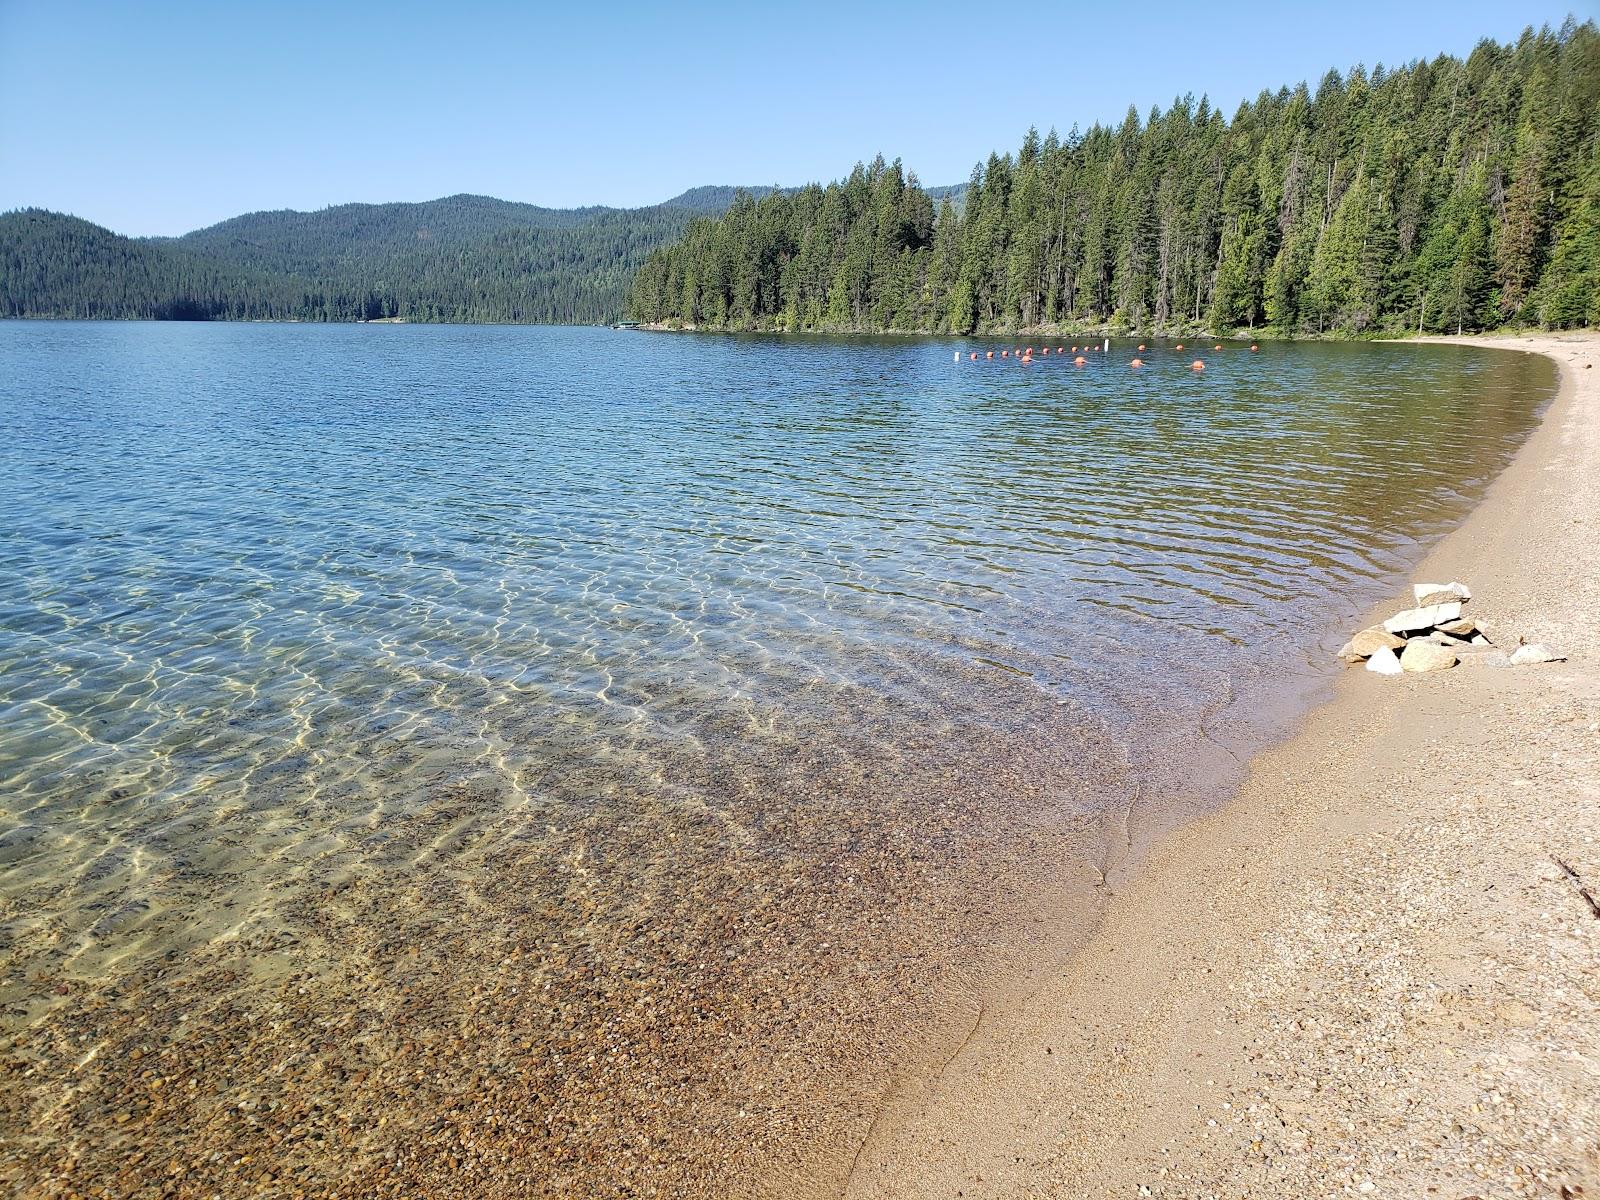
[464,257]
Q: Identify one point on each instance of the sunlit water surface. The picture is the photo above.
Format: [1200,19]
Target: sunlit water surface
[558,760]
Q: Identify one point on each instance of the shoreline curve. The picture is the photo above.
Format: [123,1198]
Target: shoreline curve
[1370,971]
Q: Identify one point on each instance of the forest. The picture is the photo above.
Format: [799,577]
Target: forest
[1445,195]
[462,258]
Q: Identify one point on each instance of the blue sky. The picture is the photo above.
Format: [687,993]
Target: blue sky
[156,118]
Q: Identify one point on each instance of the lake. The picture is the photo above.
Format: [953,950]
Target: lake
[579,762]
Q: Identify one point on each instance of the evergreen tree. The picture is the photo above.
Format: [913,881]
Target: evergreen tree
[1444,194]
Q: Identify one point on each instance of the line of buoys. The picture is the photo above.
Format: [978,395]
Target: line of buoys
[1025,354]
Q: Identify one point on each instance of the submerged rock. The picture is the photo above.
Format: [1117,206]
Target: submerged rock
[1537,652]
[1368,642]
[1424,655]
[1416,619]
[1440,593]
[1384,661]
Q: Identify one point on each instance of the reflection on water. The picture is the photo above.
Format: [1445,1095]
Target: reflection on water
[527,761]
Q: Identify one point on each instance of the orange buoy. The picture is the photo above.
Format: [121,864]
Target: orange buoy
[1197,365]
[1180,345]
[1138,362]
[1080,360]
[990,354]
[1005,354]
[1218,346]
[1044,350]
[1254,347]
[974,356]
[1030,350]
[1059,350]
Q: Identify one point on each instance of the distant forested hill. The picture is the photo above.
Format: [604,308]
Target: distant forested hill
[462,258]
[1448,194]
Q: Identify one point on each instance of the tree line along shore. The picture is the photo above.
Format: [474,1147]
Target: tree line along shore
[1449,194]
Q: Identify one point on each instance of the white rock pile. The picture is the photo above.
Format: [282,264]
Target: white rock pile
[1435,636]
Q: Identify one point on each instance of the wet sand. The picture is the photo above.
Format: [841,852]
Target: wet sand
[1368,974]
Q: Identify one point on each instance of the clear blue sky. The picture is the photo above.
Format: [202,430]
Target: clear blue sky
[156,118]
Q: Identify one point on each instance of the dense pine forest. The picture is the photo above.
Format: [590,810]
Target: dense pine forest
[1445,195]
[463,258]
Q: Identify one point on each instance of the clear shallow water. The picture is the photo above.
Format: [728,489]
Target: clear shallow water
[631,733]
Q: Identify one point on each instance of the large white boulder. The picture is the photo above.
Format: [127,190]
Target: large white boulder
[1413,620]
[1440,593]
[1385,662]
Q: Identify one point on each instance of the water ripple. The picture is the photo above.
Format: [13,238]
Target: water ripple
[616,655]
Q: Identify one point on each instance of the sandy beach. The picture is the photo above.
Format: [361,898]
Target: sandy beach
[1376,971]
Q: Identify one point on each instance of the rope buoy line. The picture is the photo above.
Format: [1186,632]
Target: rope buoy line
[1024,354]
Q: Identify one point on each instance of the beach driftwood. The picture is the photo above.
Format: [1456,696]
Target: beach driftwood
[1577,882]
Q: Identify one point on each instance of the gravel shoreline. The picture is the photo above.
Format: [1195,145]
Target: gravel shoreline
[1371,973]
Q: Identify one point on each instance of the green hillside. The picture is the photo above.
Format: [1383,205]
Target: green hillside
[461,258]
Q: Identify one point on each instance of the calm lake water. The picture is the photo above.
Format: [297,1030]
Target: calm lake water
[528,761]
